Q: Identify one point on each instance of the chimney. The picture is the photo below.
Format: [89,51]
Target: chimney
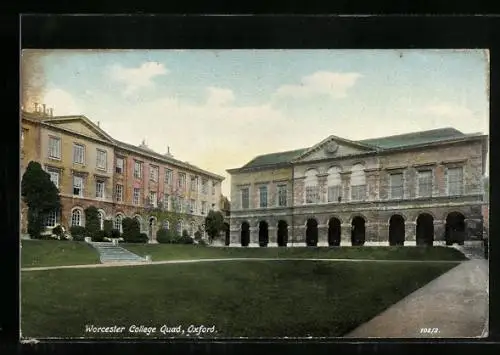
[98,124]
[36,106]
[44,109]
[51,112]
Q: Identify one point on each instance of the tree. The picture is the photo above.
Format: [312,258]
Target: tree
[40,195]
[214,224]
[92,222]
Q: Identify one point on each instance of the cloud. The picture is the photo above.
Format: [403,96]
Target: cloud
[320,83]
[447,110]
[139,77]
[219,96]
[62,102]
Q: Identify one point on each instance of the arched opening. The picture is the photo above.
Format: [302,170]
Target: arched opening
[101,217]
[263,234]
[151,226]
[334,232]
[396,230]
[77,217]
[282,233]
[118,223]
[228,236]
[454,231]
[358,231]
[312,232]
[245,234]
[139,220]
[425,229]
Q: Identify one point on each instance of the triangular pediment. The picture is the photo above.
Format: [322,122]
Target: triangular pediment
[334,147]
[81,125]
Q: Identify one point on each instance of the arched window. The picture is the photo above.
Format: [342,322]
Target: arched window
[311,186]
[118,223]
[100,215]
[76,217]
[334,185]
[166,225]
[179,227]
[358,183]
[139,220]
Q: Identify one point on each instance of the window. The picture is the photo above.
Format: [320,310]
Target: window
[263,196]
[455,181]
[334,185]
[100,216]
[168,176]
[78,154]
[194,183]
[153,173]
[137,196]
[119,193]
[101,159]
[397,183]
[76,218]
[281,195]
[192,206]
[51,219]
[424,187]
[152,198]
[54,176]
[245,198]
[311,186]
[137,169]
[179,227]
[358,183]
[78,186]
[204,186]
[214,186]
[99,189]
[119,166]
[203,207]
[118,223]
[166,198]
[182,181]
[54,147]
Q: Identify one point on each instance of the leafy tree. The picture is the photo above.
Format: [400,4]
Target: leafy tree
[131,230]
[108,227]
[92,222]
[214,224]
[40,195]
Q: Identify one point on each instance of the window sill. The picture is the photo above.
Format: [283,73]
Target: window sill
[55,158]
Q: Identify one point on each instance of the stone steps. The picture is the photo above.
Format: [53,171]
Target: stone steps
[110,253]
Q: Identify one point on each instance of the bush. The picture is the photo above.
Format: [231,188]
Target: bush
[57,230]
[99,236]
[185,233]
[78,233]
[131,230]
[197,235]
[163,236]
[108,227]
[92,221]
[115,233]
[143,238]
[185,239]
[202,242]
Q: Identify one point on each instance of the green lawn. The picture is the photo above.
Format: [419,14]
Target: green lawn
[239,298]
[179,252]
[56,252]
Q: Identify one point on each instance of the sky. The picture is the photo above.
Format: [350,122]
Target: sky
[218,109]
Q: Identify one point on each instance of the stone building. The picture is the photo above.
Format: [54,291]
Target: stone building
[91,168]
[416,188]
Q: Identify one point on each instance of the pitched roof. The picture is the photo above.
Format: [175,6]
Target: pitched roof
[274,158]
[396,141]
[408,139]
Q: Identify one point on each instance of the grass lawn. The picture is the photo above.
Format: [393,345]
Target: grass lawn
[239,298]
[178,252]
[56,252]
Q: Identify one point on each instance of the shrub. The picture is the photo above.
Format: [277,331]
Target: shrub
[143,238]
[78,233]
[115,233]
[163,236]
[99,236]
[92,221]
[57,230]
[131,230]
[202,242]
[108,227]
[185,233]
[197,235]
[185,239]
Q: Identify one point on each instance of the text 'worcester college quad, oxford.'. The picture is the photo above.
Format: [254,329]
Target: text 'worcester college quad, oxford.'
[90,168]
[422,188]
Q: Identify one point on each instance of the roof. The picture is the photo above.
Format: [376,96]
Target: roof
[408,139]
[274,158]
[388,142]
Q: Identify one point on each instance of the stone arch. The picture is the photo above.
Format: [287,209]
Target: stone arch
[101,215]
[358,230]
[245,234]
[425,229]
[420,212]
[455,228]
[334,231]
[118,220]
[152,222]
[396,230]
[282,233]
[77,216]
[263,233]
[141,222]
[312,232]
[354,215]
